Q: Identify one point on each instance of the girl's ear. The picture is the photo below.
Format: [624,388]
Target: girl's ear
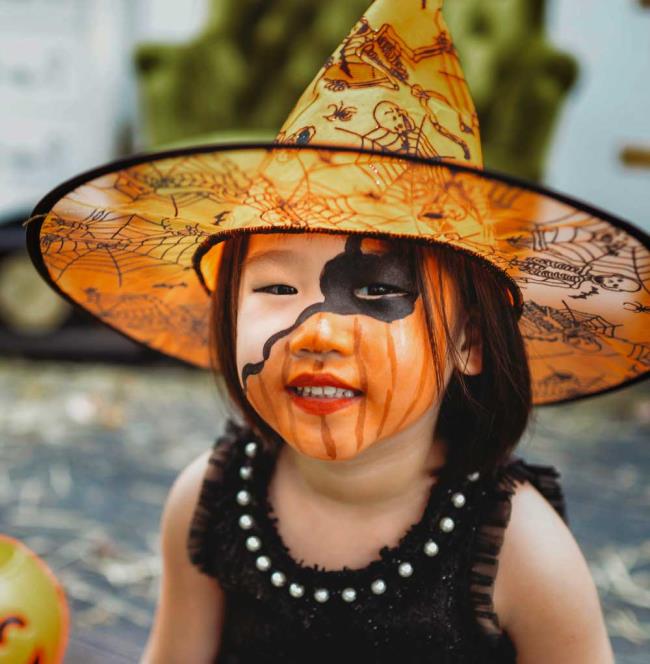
[470,347]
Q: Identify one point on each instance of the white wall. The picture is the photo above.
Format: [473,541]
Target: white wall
[65,92]
[169,20]
[609,108]
[67,86]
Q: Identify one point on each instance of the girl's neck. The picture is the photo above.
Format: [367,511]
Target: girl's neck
[382,475]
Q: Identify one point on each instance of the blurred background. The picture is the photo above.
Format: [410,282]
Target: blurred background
[93,428]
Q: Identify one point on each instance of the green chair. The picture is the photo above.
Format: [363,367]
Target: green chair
[242,75]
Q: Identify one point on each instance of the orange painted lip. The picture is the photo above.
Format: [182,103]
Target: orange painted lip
[320,405]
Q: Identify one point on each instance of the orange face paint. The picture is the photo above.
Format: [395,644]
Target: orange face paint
[332,346]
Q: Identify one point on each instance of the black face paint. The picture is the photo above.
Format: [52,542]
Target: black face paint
[346,272]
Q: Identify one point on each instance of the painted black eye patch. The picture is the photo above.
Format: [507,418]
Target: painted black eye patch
[353,269]
[346,272]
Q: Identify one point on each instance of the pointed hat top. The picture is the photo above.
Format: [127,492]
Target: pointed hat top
[394,84]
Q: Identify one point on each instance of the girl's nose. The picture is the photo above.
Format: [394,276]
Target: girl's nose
[323,333]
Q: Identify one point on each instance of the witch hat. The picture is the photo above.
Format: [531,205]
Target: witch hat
[384,142]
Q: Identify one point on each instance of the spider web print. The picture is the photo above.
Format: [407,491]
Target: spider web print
[124,260]
[123,246]
[373,194]
[117,245]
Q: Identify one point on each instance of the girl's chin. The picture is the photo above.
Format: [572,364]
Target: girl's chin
[317,448]
[321,455]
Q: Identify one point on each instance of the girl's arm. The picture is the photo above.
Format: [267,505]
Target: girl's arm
[544,594]
[188,620]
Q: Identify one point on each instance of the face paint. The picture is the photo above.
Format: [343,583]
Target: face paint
[337,312]
[343,276]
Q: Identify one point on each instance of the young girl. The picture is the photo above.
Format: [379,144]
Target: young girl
[384,313]
[388,383]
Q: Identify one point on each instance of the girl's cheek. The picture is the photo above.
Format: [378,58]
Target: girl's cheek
[410,340]
[415,371]
[250,336]
[395,360]
[405,342]
[259,318]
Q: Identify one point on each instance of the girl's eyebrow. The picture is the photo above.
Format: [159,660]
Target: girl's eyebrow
[272,255]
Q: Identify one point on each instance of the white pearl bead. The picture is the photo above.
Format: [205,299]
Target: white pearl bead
[431,548]
[278,579]
[250,449]
[349,594]
[263,563]
[447,524]
[378,586]
[296,590]
[245,472]
[243,497]
[245,521]
[458,500]
[472,477]
[253,543]
[321,595]
[405,569]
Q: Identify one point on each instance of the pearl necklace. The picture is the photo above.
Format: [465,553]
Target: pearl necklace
[296,590]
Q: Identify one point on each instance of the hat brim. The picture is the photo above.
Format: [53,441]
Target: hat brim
[136,243]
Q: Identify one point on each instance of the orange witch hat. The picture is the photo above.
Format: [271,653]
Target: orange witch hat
[383,142]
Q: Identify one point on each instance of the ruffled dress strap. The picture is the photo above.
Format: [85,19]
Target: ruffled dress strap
[204,542]
[544,478]
[493,520]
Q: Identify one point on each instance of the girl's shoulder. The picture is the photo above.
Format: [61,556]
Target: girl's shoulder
[530,510]
[538,527]
[518,492]
[545,596]
[192,485]
[211,481]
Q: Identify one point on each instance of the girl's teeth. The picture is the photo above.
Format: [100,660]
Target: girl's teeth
[327,391]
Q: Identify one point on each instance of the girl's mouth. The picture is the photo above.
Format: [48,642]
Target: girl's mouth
[321,393]
[322,399]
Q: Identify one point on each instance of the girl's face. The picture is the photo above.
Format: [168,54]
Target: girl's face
[332,345]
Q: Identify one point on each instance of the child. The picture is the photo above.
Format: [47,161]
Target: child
[381,344]
[309,533]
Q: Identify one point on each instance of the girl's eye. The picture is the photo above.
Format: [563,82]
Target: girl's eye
[378,291]
[277,289]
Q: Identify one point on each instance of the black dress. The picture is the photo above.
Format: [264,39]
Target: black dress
[428,599]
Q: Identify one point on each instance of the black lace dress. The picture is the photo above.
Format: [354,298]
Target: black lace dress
[428,599]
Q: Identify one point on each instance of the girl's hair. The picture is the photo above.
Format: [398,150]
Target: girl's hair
[481,417]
